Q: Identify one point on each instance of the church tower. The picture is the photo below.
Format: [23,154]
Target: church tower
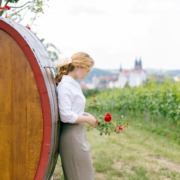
[120,70]
[138,64]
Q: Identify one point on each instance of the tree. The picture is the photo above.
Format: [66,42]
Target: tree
[12,9]
[18,12]
[52,50]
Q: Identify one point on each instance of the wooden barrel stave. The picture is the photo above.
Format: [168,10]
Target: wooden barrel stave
[55,117]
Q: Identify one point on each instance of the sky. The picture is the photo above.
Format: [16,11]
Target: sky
[115,32]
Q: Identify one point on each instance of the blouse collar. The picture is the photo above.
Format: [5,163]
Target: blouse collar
[68,78]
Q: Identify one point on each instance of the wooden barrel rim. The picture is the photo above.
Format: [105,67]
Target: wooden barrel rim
[46,109]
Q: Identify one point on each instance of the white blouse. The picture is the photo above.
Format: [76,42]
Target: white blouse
[71,100]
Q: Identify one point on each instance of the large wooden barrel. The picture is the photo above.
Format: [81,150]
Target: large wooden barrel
[29,121]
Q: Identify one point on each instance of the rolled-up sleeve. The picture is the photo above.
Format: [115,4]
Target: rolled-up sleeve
[65,103]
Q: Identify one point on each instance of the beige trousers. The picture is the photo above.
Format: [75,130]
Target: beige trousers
[75,153]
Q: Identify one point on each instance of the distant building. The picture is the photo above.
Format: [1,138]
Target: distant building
[157,78]
[138,64]
[90,86]
[113,84]
[95,81]
[176,78]
[105,81]
[83,85]
[133,77]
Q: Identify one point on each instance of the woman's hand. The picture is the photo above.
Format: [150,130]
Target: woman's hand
[87,114]
[91,121]
[86,118]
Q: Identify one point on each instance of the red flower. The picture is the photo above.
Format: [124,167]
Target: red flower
[29,28]
[1,8]
[94,101]
[93,95]
[169,137]
[7,7]
[106,131]
[6,16]
[120,128]
[98,123]
[107,118]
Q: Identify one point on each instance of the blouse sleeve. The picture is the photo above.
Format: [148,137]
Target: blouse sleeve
[64,104]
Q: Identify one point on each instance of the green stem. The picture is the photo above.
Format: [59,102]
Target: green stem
[7,2]
[1,12]
[22,5]
[23,16]
[17,12]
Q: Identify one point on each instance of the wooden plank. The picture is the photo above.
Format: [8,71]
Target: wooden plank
[19,111]
[34,133]
[21,127]
[55,118]
[56,124]
[5,107]
[48,171]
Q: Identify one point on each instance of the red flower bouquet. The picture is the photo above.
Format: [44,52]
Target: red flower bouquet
[7,7]
[107,118]
[105,123]
[120,128]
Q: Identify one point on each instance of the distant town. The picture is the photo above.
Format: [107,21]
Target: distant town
[121,78]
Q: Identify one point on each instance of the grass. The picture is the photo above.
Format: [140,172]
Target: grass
[136,154]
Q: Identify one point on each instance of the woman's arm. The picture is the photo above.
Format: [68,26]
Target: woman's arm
[86,119]
[87,114]
[64,104]
[66,114]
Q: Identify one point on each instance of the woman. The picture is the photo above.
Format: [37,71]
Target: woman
[74,147]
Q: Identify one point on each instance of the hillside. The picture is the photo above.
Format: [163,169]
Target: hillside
[98,72]
[163,72]
[173,72]
[110,72]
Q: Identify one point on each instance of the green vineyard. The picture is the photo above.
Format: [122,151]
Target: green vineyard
[150,148]
[155,107]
